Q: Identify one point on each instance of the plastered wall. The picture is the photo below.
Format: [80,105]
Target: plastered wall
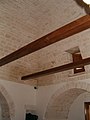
[19,98]
[57,100]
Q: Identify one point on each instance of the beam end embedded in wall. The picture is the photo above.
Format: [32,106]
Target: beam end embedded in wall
[65,67]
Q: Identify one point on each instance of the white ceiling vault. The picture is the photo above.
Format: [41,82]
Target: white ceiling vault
[23,21]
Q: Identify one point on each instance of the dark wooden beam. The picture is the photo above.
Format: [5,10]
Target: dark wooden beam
[62,68]
[72,28]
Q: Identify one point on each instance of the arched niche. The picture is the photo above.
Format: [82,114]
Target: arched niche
[61,101]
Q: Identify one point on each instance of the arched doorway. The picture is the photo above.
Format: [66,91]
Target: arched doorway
[7,109]
[59,105]
[5,113]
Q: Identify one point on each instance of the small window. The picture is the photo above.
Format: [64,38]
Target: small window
[77,57]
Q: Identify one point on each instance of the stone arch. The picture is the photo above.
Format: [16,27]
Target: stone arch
[7,105]
[61,101]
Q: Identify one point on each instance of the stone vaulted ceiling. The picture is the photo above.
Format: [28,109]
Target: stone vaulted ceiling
[23,21]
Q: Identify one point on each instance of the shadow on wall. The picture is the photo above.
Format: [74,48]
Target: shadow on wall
[83,5]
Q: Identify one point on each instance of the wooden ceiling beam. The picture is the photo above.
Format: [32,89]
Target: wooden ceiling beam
[62,68]
[70,29]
